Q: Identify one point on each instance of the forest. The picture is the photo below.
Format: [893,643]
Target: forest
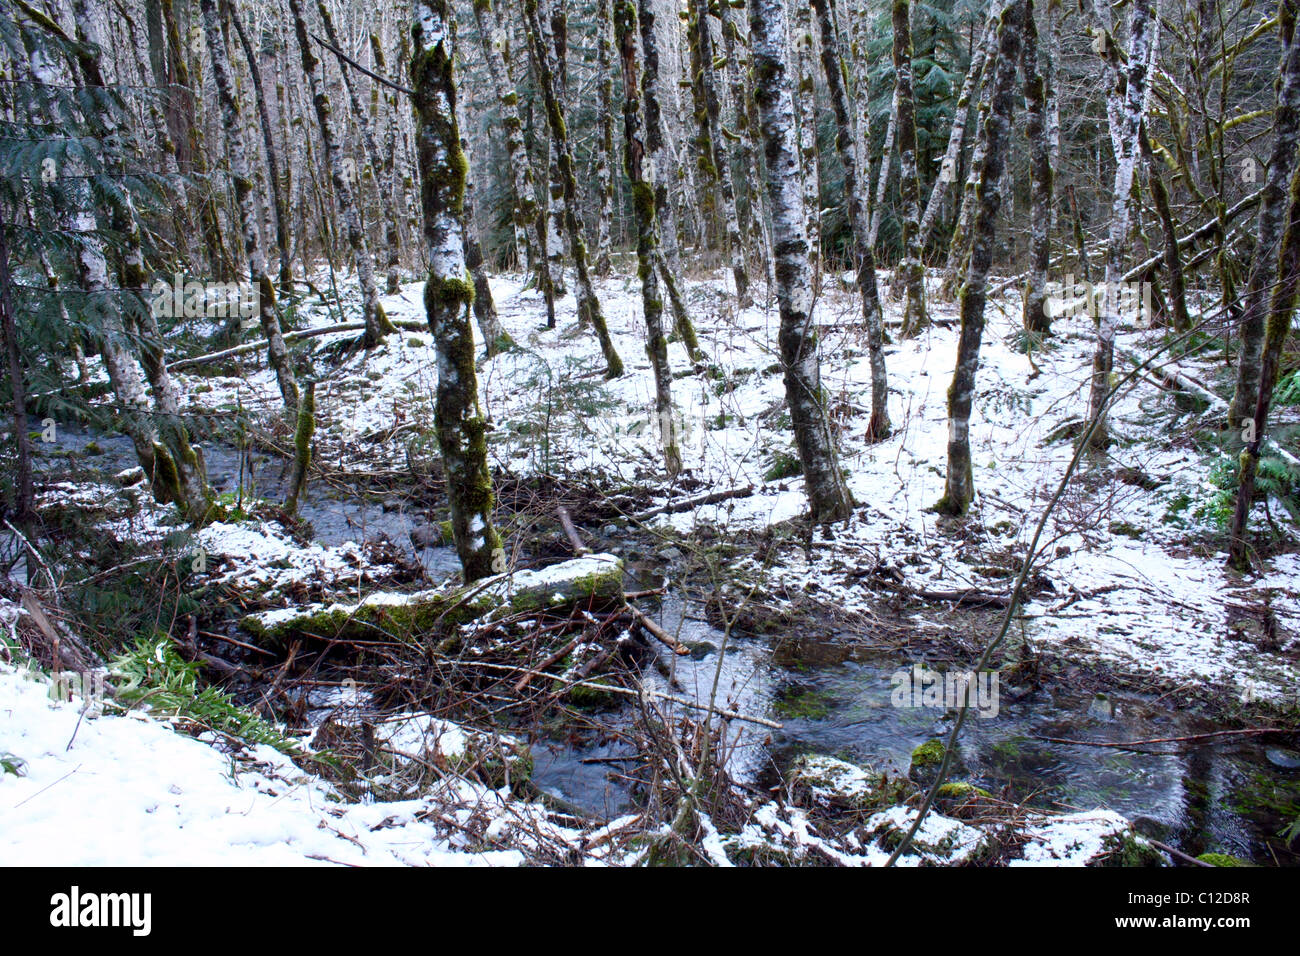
[650,433]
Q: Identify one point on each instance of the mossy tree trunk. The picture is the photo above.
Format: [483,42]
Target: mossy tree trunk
[588,302]
[279,206]
[805,57]
[662,168]
[912,270]
[1035,319]
[604,138]
[1182,321]
[460,424]
[174,466]
[1263,271]
[713,158]
[647,239]
[1126,105]
[855,199]
[828,495]
[959,486]
[1282,305]
[496,45]
[392,244]
[377,324]
[268,316]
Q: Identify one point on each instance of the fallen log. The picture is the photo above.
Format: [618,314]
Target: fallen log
[592,579]
[411,325]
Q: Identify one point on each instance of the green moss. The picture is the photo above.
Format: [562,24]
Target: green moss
[1223,859]
[802,704]
[784,465]
[1129,850]
[960,790]
[928,755]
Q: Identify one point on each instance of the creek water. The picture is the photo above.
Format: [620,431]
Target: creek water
[834,696]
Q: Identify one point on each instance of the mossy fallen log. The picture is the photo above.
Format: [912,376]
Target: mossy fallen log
[595,579]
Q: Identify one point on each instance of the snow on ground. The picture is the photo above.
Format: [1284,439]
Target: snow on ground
[1132,584]
[129,790]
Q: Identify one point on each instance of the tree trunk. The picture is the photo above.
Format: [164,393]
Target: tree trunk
[959,487]
[1036,320]
[960,117]
[279,206]
[828,495]
[915,317]
[713,157]
[1281,309]
[588,303]
[1144,29]
[1263,272]
[268,315]
[604,138]
[809,153]
[647,241]
[882,178]
[846,142]
[377,324]
[662,169]
[495,51]
[462,430]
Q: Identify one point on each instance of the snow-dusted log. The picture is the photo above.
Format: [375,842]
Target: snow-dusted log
[459,420]
[855,199]
[241,180]
[1126,108]
[647,240]
[589,308]
[912,269]
[959,486]
[828,495]
[594,579]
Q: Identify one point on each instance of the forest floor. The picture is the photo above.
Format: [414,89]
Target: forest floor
[1131,592]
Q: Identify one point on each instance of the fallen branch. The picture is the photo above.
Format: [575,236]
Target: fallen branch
[570,532]
[1130,744]
[295,336]
[686,504]
[657,632]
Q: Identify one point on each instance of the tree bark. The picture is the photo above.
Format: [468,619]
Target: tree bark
[461,427]
[828,495]
[588,303]
[268,315]
[1035,319]
[959,486]
[1263,272]
[846,143]
[1126,111]
[647,240]
[915,317]
[377,324]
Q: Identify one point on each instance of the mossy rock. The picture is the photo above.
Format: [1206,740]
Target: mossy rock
[823,782]
[1127,849]
[795,703]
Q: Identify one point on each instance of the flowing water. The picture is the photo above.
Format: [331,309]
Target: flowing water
[834,696]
